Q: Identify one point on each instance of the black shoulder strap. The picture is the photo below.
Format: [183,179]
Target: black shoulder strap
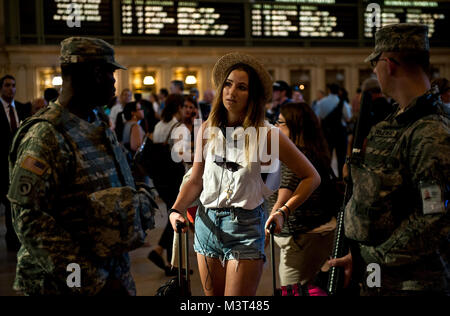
[170,132]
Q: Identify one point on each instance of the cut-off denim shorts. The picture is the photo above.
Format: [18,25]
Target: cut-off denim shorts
[230,233]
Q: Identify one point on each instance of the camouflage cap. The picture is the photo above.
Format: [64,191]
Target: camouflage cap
[400,38]
[84,49]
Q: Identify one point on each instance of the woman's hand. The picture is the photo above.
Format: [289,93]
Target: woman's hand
[345,262]
[278,219]
[177,217]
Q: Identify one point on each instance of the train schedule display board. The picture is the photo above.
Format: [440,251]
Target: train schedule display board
[78,17]
[240,22]
[434,14]
[300,19]
[182,18]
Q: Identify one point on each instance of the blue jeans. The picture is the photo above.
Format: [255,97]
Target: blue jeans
[230,233]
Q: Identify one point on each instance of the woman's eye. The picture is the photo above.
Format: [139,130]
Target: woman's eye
[242,88]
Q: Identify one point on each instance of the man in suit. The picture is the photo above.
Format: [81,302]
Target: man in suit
[11,114]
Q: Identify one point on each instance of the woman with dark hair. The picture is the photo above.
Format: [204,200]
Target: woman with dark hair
[307,237]
[167,188]
[230,231]
[133,134]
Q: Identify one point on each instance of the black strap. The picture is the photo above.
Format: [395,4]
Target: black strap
[170,132]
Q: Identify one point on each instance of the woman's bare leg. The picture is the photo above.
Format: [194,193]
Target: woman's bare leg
[242,278]
[212,275]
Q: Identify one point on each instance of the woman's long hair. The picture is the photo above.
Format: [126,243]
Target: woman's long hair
[255,113]
[171,107]
[129,109]
[305,131]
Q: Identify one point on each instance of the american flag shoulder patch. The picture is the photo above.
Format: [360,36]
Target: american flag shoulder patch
[34,165]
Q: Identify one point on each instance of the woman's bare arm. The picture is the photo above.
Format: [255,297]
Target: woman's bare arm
[192,189]
[302,167]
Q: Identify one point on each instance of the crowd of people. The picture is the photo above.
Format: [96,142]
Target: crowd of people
[406,154]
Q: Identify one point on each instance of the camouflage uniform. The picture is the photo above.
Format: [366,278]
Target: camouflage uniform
[386,217]
[74,201]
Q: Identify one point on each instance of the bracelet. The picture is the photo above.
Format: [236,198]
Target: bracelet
[172,210]
[282,213]
[288,209]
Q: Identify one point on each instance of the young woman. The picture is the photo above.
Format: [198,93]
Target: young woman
[229,233]
[169,186]
[306,239]
[133,134]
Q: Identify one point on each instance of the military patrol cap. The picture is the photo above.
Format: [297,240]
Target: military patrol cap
[76,50]
[402,37]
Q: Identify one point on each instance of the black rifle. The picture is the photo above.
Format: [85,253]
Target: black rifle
[341,247]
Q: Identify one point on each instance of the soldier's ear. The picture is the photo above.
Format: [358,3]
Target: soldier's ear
[98,74]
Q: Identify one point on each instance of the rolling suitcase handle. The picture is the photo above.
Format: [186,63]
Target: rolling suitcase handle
[184,285]
[272,259]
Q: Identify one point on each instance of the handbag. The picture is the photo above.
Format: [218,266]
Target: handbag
[155,160]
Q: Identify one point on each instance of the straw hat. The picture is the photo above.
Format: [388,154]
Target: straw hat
[227,61]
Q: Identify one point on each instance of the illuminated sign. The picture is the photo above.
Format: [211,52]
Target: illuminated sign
[182,18]
[303,21]
[78,17]
[430,13]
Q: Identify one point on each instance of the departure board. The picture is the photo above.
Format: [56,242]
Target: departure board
[78,17]
[432,13]
[303,19]
[306,23]
[182,18]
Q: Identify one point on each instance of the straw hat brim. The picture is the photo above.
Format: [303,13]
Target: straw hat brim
[227,61]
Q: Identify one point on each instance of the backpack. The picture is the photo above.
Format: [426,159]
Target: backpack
[155,160]
[332,123]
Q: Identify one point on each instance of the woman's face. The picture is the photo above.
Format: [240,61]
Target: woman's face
[281,124]
[235,92]
[139,112]
[188,110]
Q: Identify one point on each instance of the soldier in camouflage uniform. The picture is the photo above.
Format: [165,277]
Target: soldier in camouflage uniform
[398,214]
[72,194]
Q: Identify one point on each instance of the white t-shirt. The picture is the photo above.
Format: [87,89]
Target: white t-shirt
[233,181]
[115,110]
[162,130]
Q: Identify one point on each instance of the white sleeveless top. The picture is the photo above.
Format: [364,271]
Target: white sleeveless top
[234,182]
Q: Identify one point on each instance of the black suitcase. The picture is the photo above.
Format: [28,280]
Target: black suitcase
[180,285]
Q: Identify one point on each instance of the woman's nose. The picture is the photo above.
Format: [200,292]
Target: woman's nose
[232,90]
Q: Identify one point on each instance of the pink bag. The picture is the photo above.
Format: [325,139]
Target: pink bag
[299,290]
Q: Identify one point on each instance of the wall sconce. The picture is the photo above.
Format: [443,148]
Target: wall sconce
[57,81]
[149,80]
[191,80]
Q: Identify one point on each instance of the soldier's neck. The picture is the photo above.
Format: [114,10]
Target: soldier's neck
[76,106]
[409,90]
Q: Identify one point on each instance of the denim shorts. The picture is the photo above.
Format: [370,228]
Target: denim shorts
[230,233]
